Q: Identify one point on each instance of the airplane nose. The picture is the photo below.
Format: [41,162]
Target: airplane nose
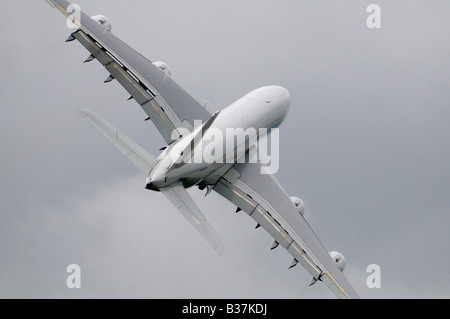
[285,99]
[281,95]
[285,96]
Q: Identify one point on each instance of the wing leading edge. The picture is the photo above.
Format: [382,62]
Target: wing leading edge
[166,103]
[263,198]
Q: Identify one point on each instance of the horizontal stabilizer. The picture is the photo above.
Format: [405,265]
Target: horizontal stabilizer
[136,154]
[181,199]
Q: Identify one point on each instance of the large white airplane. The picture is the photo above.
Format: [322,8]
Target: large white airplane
[184,121]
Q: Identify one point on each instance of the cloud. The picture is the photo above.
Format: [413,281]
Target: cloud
[130,242]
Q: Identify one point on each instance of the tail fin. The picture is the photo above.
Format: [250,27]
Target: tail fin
[136,154]
[181,199]
[176,193]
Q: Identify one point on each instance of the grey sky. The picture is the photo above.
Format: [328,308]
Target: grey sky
[365,145]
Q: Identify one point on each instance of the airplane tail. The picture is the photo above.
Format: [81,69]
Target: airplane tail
[144,161]
[136,154]
[181,199]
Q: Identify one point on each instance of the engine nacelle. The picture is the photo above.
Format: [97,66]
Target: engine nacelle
[298,203]
[339,259]
[164,67]
[103,21]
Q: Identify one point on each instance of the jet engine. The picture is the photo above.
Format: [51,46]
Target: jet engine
[103,21]
[339,259]
[298,203]
[164,67]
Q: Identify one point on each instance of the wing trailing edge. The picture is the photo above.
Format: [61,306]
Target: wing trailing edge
[181,199]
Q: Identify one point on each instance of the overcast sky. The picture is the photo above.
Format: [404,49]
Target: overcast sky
[365,145]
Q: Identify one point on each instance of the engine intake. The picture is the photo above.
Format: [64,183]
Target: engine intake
[103,21]
[298,203]
[339,259]
[163,67]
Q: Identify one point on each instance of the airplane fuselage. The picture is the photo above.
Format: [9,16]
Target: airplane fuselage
[250,116]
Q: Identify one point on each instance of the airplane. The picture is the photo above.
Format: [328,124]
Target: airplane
[184,120]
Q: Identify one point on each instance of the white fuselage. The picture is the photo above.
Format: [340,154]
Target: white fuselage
[263,108]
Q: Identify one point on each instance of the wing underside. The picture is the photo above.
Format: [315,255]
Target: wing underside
[166,103]
[263,199]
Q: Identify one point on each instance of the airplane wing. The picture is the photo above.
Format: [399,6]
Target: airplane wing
[166,103]
[262,197]
[181,199]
